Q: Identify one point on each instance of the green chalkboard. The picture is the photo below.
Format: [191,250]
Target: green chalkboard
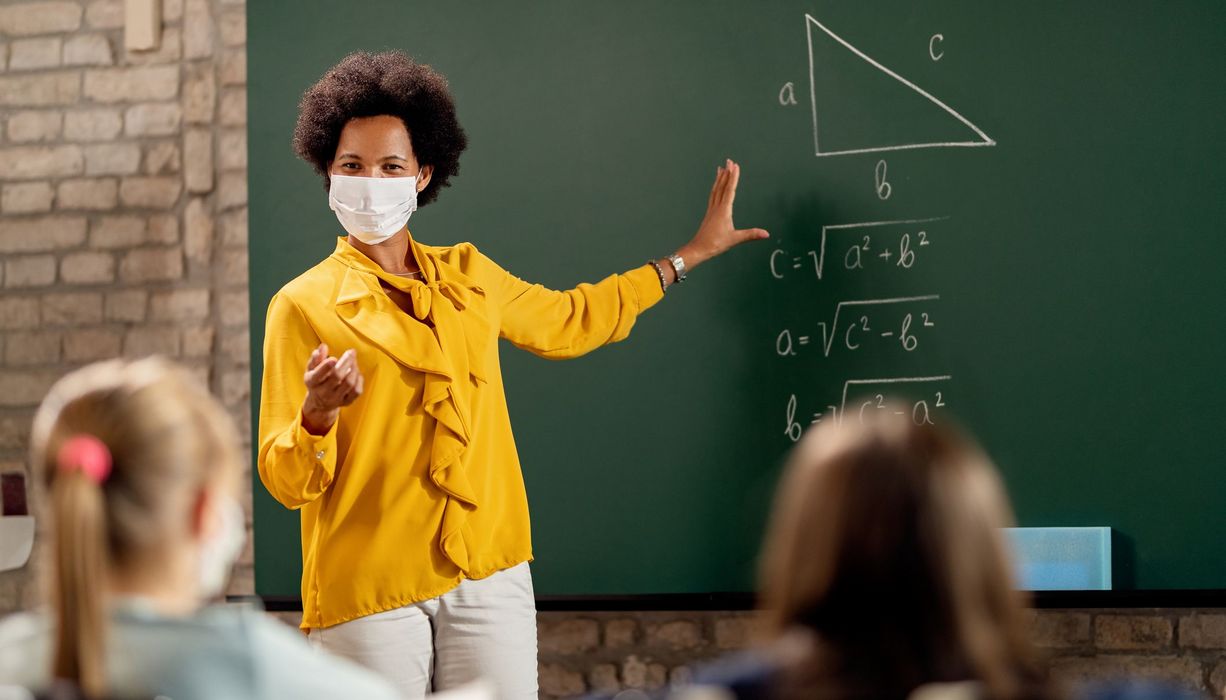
[1055,280]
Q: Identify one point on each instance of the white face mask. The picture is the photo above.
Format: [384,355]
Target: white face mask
[219,552]
[373,209]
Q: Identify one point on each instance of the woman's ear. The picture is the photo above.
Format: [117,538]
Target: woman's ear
[423,177]
[202,524]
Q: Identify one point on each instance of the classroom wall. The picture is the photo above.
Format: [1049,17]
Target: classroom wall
[123,228]
[123,219]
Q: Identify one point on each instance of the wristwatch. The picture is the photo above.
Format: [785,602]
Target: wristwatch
[678,265]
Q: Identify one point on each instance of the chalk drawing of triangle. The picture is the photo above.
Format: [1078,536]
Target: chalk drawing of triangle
[955,130]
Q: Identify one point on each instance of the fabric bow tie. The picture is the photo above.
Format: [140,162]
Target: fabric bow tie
[426,296]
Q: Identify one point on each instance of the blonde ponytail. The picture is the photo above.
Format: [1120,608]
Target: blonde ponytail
[80,572]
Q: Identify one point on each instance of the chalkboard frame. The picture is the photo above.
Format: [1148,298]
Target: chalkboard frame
[1042,600]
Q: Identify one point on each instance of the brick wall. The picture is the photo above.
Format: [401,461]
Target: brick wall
[123,220]
[581,652]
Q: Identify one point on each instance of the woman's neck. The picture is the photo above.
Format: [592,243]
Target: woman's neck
[392,255]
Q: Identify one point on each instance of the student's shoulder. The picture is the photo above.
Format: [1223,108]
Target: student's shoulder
[289,667]
[23,648]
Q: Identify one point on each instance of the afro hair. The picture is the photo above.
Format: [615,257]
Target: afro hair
[388,83]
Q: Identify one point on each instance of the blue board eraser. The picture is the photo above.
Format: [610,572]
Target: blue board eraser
[1061,558]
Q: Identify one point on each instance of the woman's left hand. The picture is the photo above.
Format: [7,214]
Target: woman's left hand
[717,234]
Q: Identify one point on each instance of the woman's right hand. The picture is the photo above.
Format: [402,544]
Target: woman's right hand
[332,383]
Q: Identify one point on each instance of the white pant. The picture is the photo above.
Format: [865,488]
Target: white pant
[483,629]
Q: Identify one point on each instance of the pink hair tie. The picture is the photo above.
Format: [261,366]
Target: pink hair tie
[87,453]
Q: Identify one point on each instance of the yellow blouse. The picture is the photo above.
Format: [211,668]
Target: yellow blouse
[417,485]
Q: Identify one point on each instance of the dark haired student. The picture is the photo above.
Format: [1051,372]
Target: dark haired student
[383,416]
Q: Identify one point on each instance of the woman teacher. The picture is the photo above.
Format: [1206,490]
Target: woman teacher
[383,416]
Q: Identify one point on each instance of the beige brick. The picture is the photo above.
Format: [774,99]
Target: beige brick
[88,268]
[91,344]
[118,232]
[41,233]
[198,342]
[619,634]
[679,634]
[1217,679]
[234,228]
[163,158]
[197,231]
[180,304]
[681,675]
[198,160]
[198,29]
[136,84]
[29,162]
[35,126]
[634,672]
[33,348]
[150,192]
[735,632]
[152,119]
[98,194]
[233,67]
[4,56]
[232,190]
[1132,632]
[31,18]
[88,50]
[1078,671]
[236,346]
[29,271]
[172,10]
[560,681]
[92,124]
[234,267]
[232,149]
[199,94]
[151,264]
[18,312]
[164,229]
[242,581]
[33,54]
[233,108]
[1202,631]
[574,636]
[241,414]
[26,387]
[15,435]
[169,50]
[232,26]
[26,197]
[126,305]
[140,342]
[41,90]
[104,14]
[1059,629]
[235,309]
[112,159]
[235,387]
[602,678]
[71,308]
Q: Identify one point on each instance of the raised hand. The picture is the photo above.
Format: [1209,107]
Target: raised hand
[717,234]
[332,383]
